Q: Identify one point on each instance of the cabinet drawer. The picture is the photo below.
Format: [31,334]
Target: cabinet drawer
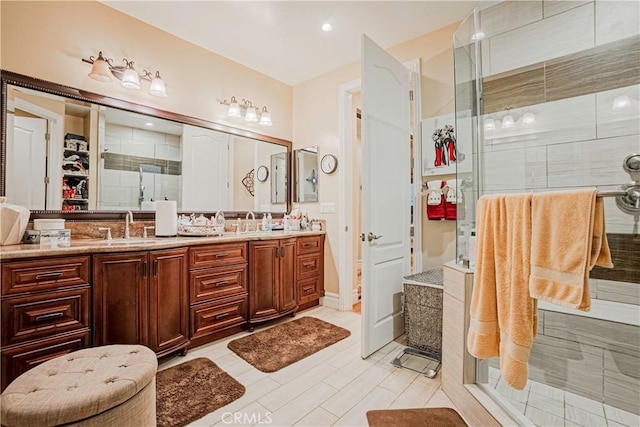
[218,255]
[309,290]
[38,316]
[29,276]
[213,317]
[17,360]
[309,245]
[215,283]
[309,266]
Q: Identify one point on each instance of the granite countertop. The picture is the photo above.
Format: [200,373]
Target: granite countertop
[90,246]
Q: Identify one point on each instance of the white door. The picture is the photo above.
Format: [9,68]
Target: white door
[26,161]
[205,170]
[385,194]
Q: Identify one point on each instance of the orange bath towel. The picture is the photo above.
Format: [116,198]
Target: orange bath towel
[568,240]
[503,315]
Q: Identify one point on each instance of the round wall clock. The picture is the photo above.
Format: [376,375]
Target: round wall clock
[329,163]
[262,173]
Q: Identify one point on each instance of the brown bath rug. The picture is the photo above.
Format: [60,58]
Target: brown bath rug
[284,344]
[423,417]
[191,390]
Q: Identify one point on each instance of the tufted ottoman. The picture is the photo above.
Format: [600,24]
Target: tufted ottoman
[102,386]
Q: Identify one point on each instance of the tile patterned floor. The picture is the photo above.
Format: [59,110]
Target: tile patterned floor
[547,406]
[333,387]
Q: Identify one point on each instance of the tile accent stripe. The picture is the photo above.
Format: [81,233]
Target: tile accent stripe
[610,66]
[124,162]
[625,255]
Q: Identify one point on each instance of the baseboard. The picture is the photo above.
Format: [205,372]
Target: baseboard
[354,296]
[330,300]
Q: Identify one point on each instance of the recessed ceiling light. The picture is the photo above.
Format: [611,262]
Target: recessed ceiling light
[327,27]
[149,124]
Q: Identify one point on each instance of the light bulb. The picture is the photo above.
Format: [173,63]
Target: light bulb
[489,124]
[620,102]
[251,115]
[100,70]
[130,78]
[528,119]
[234,108]
[265,117]
[507,122]
[157,87]
[478,35]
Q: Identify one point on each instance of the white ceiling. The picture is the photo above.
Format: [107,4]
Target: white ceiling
[283,39]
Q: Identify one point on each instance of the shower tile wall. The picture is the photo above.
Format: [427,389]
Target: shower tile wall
[128,147]
[566,62]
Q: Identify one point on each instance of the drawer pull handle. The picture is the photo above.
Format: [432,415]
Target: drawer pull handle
[220,316]
[308,289]
[308,245]
[221,255]
[49,275]
[49,316]
[309,264]
[221,283]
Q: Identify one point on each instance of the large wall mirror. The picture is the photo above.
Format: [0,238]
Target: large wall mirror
[306,174]
[68,150]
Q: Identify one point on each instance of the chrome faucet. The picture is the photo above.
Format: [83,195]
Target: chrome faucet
[128,219]
[246,218]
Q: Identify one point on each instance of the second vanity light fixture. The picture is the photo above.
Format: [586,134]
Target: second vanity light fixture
[251,112]
[508,122]
[103,70]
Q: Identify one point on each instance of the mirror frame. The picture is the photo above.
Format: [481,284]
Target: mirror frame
[11,78]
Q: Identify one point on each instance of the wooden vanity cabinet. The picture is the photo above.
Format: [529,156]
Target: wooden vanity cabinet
[218,291]
[272,280]
[142,298]
[45,311]
[309,270]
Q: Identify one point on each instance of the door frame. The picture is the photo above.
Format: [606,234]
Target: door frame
[345,177]
[55,130]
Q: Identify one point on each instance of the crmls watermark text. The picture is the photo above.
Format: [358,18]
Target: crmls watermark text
[245,418]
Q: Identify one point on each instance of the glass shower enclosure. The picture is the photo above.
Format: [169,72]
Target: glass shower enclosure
[548,99]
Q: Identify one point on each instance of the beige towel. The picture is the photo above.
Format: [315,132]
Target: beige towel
[503,315]
[568,239]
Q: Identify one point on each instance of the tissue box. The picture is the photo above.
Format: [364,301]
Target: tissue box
[55,238]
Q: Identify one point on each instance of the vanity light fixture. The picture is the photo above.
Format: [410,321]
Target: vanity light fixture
[103,69]
[251,113]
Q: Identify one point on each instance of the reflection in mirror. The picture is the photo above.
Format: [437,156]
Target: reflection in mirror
[279,178]
[306,174]
[73,155]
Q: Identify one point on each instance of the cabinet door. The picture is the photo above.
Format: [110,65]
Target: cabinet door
[287,275]
[264,279]
[120,298]
[168,300]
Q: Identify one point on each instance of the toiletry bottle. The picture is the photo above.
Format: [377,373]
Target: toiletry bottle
[472,250]
[264,222]
[269,222]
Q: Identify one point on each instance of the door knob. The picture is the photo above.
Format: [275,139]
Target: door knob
[371,237]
